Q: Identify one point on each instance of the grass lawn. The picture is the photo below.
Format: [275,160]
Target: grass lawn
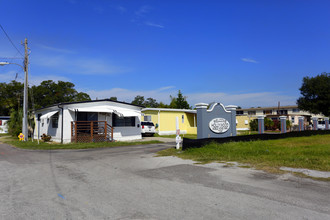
[3,135]
[303,152]
[54,146]
[256,132]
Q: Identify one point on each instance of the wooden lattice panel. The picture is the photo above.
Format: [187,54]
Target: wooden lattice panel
[91,131]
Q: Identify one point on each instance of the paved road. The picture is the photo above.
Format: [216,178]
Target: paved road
[130,183]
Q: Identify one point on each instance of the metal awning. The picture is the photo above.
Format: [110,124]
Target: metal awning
[48,115]
[121,112]
[92,109]
[130,113]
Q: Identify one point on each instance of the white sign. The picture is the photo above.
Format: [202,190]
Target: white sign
[219,125]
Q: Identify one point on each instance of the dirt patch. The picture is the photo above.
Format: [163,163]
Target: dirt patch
[307,172]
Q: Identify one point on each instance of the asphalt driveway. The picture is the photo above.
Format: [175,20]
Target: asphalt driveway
[130,183]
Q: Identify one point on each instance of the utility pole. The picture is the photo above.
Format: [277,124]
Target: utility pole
[26,86]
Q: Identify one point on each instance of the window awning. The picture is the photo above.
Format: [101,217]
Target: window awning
[130,113]
[48,115]
[92,109]
[121,112]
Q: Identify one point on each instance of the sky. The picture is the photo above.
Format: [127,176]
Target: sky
[247,53]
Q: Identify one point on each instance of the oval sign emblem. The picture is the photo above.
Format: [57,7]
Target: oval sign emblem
[219,125]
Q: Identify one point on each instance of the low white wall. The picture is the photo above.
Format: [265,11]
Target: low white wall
[171,132]
[127,133]
[242,129]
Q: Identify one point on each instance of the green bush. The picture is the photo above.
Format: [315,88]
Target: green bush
[269,123]
[253,125]
[15,122]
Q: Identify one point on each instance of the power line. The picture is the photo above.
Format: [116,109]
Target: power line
[10,40]
[12,58]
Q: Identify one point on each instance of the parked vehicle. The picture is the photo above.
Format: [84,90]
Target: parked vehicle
[148,128]
[321,125]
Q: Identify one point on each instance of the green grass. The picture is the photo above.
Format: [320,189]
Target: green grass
[246,132]
[54,146]
[190,136]
[3,135]
[302,152]
[256,132]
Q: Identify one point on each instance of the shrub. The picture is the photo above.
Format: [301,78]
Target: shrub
[288,124]
[45,137]
[15,122]
[268,124]
[253,125]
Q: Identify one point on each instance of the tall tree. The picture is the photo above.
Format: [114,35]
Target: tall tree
[151,103]
[163,105]
[315,93]
[11,97]
[179,102]
[113,98]
[138,100]
[50,92]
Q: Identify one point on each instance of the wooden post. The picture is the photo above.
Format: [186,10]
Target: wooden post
[111,133]
[105,130]
[75,132]
[71,130]
[92,131]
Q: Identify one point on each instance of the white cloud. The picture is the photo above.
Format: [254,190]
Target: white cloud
[36,80]
[244,100]
[153,24]
[249,60]
[143,10]
[161,94]
[60,50]
[78,65]
[166,88]
[33,80]
[8,76]
[121,9]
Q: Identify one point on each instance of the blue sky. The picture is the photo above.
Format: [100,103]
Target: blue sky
[247,53]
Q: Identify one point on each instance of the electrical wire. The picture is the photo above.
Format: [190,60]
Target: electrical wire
[11,58]
[10,40]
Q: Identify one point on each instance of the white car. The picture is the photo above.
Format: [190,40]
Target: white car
[147,128]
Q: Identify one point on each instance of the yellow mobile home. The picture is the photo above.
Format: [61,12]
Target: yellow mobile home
[165,120]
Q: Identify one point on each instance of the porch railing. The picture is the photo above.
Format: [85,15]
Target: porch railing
[91,131]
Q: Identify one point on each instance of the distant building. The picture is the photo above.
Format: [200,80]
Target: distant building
[292,112]
[243,121]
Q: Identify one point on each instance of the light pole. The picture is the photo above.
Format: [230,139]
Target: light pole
[25,99]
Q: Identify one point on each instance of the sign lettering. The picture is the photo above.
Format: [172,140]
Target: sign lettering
[219,125]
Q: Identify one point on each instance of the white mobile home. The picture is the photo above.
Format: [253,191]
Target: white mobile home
[89,121]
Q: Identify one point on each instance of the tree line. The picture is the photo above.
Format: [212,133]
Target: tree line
[49,93]
[315,97]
